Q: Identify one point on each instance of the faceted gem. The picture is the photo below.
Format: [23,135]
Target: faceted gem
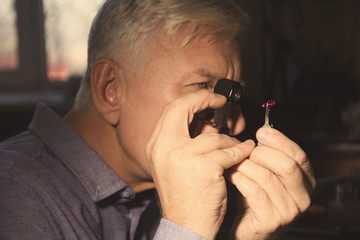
[269,104]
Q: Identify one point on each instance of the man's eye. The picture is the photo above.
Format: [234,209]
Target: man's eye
[203,85]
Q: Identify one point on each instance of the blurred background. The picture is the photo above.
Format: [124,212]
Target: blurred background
[304,54]
[42,56]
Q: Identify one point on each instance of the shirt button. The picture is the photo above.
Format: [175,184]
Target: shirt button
[125,194]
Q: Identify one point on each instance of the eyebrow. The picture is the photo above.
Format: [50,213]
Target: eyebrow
[202,72]
[207,74]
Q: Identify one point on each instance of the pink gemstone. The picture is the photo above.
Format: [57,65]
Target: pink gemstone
[269,104]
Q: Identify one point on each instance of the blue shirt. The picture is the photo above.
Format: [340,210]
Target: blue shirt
[54,186]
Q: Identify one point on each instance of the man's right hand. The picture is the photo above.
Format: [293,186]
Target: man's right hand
[188,172]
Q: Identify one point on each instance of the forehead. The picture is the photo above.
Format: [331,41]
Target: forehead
[187,36]
[205,54]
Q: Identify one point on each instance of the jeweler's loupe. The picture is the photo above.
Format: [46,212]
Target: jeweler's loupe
[232,91]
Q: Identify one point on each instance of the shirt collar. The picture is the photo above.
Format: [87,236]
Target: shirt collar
[95,175]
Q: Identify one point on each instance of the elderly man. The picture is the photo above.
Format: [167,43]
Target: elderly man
[91,173]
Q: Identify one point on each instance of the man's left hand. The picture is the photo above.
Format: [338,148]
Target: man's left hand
[276,182]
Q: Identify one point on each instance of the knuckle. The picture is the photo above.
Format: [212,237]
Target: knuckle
[305,203]
[301,158]
[231,152]
[290,167]
[268,176]
[291,215]
[258,193]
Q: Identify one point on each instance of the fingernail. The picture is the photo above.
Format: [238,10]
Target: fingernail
[249,142]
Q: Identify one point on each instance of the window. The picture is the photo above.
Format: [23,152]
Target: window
[9,59]
[22,55]
[43,41]
[67,24]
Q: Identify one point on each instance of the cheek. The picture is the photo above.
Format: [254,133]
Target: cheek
[140,114]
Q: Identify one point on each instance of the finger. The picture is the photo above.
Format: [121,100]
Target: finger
[228,157]
[274,139]
[208,142]
[198,127]
[173,123]
[262,210]
[287,171]
[272,186]
[178,115]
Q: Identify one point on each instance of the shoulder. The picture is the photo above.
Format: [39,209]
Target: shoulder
[23,209]
[33,183]
[22,168]
[20,153]
[15,150]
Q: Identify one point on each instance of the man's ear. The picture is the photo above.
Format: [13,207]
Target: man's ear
[105,81]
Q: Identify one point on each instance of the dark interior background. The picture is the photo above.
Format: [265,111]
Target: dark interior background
[306,55]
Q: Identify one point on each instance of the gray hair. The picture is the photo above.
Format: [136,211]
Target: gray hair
[121,28]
